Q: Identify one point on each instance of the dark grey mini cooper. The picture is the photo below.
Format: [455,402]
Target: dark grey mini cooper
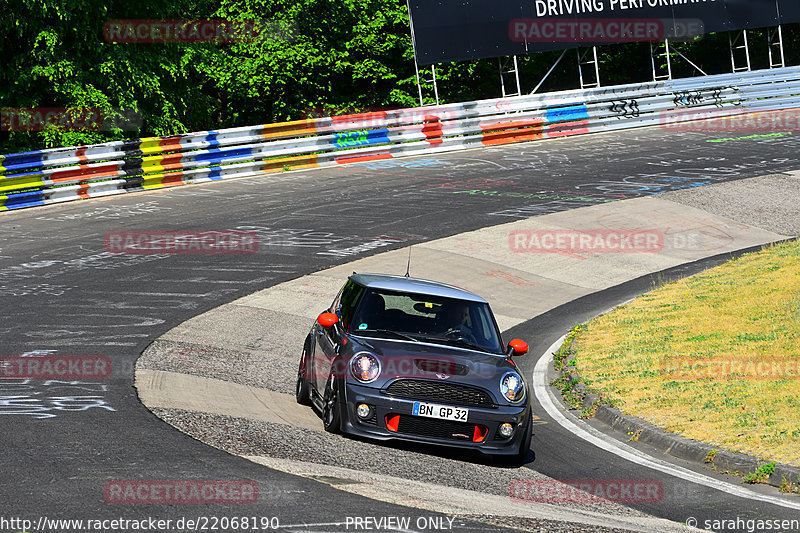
[403,358]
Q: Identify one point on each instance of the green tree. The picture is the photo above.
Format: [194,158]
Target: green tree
[314,55]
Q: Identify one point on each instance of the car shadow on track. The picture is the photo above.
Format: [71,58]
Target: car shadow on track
[456,454]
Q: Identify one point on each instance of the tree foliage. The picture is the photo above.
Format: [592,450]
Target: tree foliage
[316,57]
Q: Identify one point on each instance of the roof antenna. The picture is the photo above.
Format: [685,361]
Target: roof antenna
[408,266]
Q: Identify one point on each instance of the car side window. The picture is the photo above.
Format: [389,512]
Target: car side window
[348,301]
[336,306]
[482,329]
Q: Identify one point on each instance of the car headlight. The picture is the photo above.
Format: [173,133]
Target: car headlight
[512,387]
[365,367]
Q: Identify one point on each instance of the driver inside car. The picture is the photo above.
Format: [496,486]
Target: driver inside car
[455,322]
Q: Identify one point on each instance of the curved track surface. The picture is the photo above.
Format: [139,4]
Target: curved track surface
[63,294]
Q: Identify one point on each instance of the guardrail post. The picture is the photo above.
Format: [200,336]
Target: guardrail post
[654,55]
[502,63]
[582,61]
[775,40]
[416,64]
[435,87]
[741,36]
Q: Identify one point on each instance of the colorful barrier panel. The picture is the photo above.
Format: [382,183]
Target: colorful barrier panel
[64,174]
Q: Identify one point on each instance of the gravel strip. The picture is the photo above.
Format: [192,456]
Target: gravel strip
[254,368]
[541,526]
[440,466]
[777,194]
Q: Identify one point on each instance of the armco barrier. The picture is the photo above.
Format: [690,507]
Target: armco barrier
[63,174]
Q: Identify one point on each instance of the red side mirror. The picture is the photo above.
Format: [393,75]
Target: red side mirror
[517,347]
[327,320]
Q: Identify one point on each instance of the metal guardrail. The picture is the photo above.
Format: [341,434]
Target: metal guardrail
[64,174]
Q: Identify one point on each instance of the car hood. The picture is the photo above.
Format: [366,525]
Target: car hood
[401,359]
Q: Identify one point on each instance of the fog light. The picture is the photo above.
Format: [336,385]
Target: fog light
[506,430]
[363,410]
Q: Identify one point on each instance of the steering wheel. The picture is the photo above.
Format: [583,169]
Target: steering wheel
[458,333]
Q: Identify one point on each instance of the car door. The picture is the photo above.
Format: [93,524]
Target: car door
[328,340]
[325,345]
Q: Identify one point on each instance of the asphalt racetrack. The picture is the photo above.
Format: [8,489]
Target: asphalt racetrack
[63,294]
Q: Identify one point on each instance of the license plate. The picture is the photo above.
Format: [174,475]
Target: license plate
[443,412]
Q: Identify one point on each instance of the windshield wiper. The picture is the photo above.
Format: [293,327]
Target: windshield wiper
[459,342]
[388,331]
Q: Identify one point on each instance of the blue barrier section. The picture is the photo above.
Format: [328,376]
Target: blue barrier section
[217,155]
[349,139]
[567,114]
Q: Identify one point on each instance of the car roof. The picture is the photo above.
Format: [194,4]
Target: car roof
[415,286]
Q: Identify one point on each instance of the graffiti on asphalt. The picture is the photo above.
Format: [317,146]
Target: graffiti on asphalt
[47,399]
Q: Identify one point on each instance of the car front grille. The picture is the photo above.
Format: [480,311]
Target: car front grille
[438,429]
[437,391]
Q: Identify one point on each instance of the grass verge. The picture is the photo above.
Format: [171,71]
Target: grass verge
[714,357]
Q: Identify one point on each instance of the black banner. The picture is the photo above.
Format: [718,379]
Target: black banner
[455,30]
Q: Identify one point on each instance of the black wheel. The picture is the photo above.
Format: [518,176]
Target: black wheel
[331,410]
[302,391]
[525,445]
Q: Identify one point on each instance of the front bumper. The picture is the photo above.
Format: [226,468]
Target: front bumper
[431,430]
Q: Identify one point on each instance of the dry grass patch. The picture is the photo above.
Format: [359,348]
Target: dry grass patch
[714,357]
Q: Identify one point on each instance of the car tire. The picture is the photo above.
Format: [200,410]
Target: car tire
[331,408]
[303,388]
[525,445]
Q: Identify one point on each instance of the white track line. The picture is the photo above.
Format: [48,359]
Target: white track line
[546,397]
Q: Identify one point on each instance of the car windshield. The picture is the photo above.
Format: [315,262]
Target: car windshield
[427,318]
